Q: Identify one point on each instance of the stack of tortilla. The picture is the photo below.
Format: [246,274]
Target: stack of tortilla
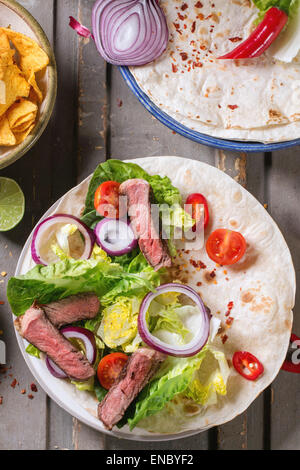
[250,99]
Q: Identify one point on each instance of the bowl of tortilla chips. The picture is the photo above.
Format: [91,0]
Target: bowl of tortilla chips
[28,81]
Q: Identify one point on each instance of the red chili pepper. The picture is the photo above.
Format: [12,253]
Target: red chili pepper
[247,365]
[289,365]
[262,37]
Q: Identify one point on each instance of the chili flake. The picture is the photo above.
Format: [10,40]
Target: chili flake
[33,387]
[229,321]
[229,308]
[14,383]
[236,39]
[224,338]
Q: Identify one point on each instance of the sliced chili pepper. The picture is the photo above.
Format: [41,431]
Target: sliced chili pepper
[262,37]
[289,365]
[247,365]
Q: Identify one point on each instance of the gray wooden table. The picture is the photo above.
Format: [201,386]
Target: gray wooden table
[97,117]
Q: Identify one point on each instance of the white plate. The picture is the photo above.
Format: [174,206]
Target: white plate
[83,405]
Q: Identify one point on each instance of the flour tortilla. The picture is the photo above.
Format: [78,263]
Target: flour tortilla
[262,288]
[253,100]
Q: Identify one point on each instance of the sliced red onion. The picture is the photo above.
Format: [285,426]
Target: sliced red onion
[129,32]
[87,233]
[196,344]
[81,30]
[115,236]
[54,369]
[88,339]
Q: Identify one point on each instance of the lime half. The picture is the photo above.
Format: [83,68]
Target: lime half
[12,204]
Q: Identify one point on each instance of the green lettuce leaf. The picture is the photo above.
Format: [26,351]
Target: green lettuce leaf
[141,279]
[201,378]
[125,260]
[210,380]
[87,385]
[118,327]
[165,317]
[67,277]
[116,170]
[288,6]
[33,351]
[100,391]
[173,378]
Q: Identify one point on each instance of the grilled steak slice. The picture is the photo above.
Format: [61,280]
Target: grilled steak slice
[137,372]
[139,195]
[35,327]
[73,308]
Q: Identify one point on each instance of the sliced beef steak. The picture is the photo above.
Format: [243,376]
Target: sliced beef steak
[139,369]
[35,327]
[139,195]
[73,308]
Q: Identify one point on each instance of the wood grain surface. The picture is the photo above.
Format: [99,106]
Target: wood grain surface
[97,117]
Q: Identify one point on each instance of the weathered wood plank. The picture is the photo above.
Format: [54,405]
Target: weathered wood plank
[283,204]
[92,109]
[92,149]
[98,117]
[63,164]
[18,413]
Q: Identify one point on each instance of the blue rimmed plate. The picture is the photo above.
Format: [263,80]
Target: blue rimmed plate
[204,139]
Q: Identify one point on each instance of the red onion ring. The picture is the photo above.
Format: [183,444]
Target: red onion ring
[87,233]
[196,344]
[115,236]
[140,23]
[86,336]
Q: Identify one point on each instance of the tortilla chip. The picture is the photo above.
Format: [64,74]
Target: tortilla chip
[32,82]
[33,96]
[20,113]
[32,57]
[20,136]
[16,86]
[2,92]
[24,125]
[7,138]
[6,53]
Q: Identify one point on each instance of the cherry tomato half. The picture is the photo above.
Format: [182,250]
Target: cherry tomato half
[106,199]
[199,209]
[247,365]
[225,246]
[109,368]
